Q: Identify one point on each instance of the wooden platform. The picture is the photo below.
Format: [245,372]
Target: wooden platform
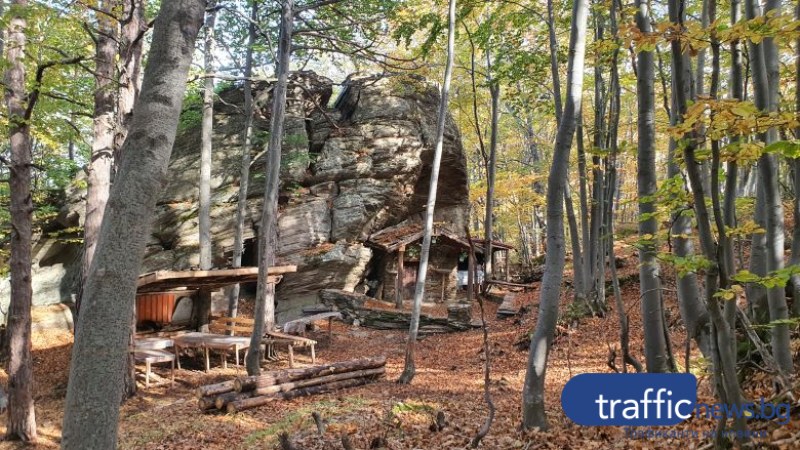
[168,280]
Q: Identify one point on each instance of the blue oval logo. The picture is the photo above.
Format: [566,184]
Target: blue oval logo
[630,399]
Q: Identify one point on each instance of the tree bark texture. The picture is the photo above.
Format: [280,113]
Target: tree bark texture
[99,354]
[656,356]
[764,72]
[244,174]
[21,417]
[419,290]
[98,178]
[533,409]
[203,304]
[267,238]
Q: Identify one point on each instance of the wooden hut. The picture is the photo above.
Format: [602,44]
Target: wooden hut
[396,262]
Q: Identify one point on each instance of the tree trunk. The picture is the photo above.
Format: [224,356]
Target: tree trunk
[21,418]
[727,358]
[795,165]
[649,282]
[267,238]
[491,169]
[244,175]
[130,83]
[203,304]
[98,178]
[419,289]
[533,410]
[98,357]
[764,74]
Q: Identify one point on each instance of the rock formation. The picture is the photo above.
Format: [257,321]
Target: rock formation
[349,170]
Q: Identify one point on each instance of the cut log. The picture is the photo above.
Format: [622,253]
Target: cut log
[285,376]
[222,400]
[214,389]
[286,387]
[253,402]
[206,403]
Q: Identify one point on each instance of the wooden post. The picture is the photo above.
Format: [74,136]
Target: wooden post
[470,271]
[508,264]
[398,292]
[444,283]
[202,310]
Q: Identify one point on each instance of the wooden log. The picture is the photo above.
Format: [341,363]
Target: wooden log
[206,403]
[286,387]
[253,402]
[214,389]
[222,400]
[284,376]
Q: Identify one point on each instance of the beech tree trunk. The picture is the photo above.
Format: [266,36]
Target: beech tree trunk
[655,347]
[419,290]
[267,238]
[726,362]
[21,417]
[134,26]
[203,308]
[491,169]
[99,354]
[795,165]
[764,72]
[533,409]
[98,178]
[244,174]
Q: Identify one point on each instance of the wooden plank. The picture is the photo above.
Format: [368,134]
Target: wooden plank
[163,275]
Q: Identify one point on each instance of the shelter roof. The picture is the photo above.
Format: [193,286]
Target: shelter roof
[168,280]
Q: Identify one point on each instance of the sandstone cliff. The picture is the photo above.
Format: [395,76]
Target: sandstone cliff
[349,170]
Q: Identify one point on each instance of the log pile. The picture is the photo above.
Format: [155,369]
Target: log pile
[250,392]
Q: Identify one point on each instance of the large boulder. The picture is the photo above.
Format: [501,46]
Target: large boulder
[348,170]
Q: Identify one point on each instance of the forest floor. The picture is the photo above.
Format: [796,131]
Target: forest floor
[449,379]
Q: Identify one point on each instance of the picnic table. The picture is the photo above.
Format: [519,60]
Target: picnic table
[152,351]
[208,341]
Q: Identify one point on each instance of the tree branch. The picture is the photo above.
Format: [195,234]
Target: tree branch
[33,96]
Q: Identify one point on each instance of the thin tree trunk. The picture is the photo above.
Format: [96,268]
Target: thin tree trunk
[727,359]
[419,290]
[494,90]
[21,417]
[649,281]
[244,174]
[206,137]
[795,165]
[98,178]
[533,410]
[93,396]
[267,238]
[764,73]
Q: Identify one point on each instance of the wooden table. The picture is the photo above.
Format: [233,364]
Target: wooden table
[208,341]
[274,337]
[151,351]
[152,343]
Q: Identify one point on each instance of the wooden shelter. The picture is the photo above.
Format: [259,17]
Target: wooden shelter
[396,261]
[159,293]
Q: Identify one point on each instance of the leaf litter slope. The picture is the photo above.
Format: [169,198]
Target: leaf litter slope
[449,379]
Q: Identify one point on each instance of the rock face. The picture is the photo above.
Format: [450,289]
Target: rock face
[348,171]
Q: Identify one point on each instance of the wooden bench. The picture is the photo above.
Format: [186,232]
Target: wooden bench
[233,326]
[298,326]
[274,337]
[150,357]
